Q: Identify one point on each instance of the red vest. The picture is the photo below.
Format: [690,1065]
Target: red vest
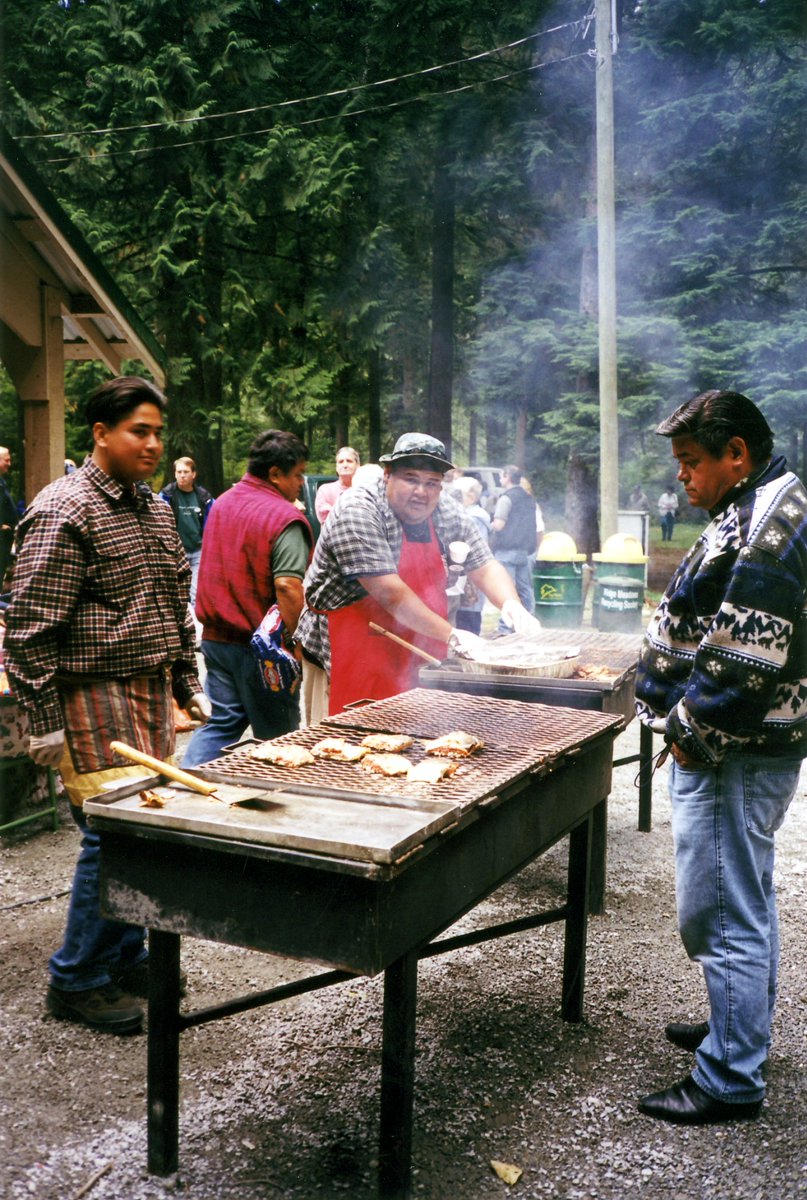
[235,574]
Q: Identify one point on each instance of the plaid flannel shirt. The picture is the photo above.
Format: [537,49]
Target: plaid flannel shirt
[100,589]
[362,536]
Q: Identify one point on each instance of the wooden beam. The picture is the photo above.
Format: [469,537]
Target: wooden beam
[109,352]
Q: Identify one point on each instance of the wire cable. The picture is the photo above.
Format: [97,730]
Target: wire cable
[346,91]
[341,116]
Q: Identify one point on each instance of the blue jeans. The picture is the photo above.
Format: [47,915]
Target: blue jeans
[94,948]
[194,558]
[517,565]
[724,819]
[238,699]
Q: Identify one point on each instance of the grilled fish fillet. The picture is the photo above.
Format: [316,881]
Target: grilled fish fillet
[283,756]
[454,745]
[431,770]
[149,799]
[388,743]
[340,750]
[386,764]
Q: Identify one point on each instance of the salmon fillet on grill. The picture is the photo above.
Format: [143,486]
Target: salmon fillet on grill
[454,745]
[386,764]
[388,743]
[283,756]
[431,770]
[338,749]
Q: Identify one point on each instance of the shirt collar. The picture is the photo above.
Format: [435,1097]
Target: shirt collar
[115,490]
[771,469]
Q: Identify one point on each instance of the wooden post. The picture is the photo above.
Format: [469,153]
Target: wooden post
[606,275]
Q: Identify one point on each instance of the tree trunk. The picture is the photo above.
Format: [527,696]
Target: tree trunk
[581,505]
[472,437]
[520,448]
[374,404]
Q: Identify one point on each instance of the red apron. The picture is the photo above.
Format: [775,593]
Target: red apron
[368,666]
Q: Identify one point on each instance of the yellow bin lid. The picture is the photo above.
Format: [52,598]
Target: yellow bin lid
[557,546]
[621,548]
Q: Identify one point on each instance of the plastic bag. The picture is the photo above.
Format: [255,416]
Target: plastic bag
[279,670]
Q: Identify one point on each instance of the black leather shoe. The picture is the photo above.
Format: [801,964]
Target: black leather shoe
[688,1037]
[687,1104]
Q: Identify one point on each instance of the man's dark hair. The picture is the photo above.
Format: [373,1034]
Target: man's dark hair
[513,474]
[115,399]
[275,448]
[714,418]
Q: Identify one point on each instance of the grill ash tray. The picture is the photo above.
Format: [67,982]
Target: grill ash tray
[535,729]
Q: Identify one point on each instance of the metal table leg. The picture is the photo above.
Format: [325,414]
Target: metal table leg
[645,779]
[398,1078]
[163,1053]
[598,858]
[574,950]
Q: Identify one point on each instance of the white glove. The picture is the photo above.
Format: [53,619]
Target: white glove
[198,708]
[465,644]
[46,751]
[516,616]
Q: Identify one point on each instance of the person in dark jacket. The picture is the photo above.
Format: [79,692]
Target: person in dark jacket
[191,505]
[8,513]
[514,536]
[722,675]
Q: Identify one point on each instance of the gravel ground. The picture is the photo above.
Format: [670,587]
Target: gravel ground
[283,1101]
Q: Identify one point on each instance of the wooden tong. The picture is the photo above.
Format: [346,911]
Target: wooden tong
[167,769]
[408,645]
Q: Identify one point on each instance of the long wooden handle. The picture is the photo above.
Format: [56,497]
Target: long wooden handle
[164,768]
[394,637]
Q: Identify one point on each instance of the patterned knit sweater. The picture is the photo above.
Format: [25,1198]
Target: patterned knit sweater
[724,660]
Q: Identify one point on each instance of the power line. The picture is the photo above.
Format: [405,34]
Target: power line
[358,87]
[341,116]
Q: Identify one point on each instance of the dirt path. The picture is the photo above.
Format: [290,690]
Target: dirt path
[282,1102]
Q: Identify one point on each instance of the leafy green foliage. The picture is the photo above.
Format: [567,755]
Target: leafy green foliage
[283,251]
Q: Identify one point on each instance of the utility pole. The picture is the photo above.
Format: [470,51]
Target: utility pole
[605,36]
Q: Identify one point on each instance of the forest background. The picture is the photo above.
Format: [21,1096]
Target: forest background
[355,217]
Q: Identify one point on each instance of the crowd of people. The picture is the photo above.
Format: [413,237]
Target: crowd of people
[101,642]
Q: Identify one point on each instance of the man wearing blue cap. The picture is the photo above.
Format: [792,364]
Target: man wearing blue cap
[382,559]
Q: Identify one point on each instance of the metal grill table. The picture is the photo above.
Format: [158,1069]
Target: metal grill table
[355,873]
[617,651]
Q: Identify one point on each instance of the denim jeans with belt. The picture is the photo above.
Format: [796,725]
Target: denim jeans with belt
[238,699]
[724,819]
[94,949]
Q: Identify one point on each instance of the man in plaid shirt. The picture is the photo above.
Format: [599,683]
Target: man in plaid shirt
[99,637]
[382,559]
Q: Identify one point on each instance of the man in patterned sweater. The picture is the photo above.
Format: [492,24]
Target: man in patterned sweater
[723,674]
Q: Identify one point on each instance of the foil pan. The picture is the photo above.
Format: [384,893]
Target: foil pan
[523,657]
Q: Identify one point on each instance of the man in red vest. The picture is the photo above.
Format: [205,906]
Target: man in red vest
[256,548]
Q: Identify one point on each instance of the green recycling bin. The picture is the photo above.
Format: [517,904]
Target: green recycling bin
[618,603]
[558,593]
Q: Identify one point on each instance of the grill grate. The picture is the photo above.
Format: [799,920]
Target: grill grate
[484,773]
[546,729]
[618,651]
[519,739]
